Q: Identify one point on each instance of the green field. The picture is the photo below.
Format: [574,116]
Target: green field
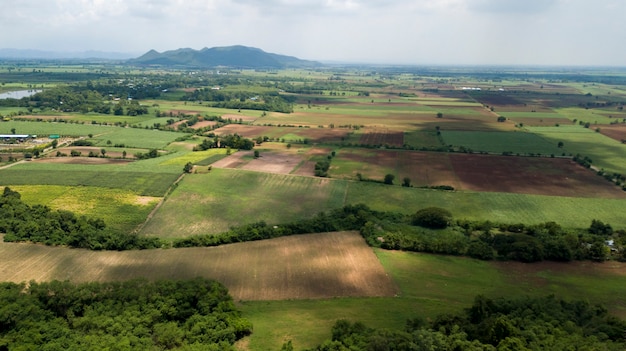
[121,210]
[605,152]
[516,142]
[430,285]
[125,177]
[495,207]
[213,202]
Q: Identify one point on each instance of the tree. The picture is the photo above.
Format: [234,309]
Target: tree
[406,182]
[188,167]
[256,154]
[501,119]
[103,152]
[560,144]
[432,217]
[54,143]
[439,115]
[389,179]
[124,154]
[12,130]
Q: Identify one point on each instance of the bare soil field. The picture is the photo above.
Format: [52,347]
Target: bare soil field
[489,173]
[85,150]
[243,118]
[273,162]
[297,267]
[530,175]
[614,131]
[270,161]
[245,131]
[203,124]
[85,160]
[382,137]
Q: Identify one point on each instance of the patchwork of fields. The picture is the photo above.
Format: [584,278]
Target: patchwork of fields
[506,150]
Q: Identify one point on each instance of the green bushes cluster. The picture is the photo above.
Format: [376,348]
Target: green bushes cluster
[135,315]
[543,323]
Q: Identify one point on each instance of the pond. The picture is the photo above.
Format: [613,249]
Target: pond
[18,94]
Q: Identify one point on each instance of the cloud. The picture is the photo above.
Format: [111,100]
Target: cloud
[515,7]
[401,31]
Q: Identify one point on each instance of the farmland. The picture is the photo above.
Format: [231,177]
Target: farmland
[499,156]
[292,301]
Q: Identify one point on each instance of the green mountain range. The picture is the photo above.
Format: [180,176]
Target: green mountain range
[228,56]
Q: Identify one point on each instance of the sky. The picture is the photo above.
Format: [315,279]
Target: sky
[414,32]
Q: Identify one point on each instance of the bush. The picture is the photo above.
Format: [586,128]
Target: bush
[432,217]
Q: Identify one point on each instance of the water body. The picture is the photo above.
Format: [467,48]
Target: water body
[18,94]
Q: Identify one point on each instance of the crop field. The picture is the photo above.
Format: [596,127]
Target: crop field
[90,118]
[367,123]
[323,266]
[319,266]
[429,286]
[605,152]
[571,212]
[213,202]
[530,175]
[115,176]
[123,210]
[517,142]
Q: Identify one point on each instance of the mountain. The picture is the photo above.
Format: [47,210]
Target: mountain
[60,55]
[228,56]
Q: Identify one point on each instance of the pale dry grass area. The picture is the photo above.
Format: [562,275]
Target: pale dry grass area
[296,267]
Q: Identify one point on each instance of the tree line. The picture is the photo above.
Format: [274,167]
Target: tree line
[528,323]
[431,230]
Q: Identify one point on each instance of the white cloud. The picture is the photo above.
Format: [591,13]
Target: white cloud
[404,31]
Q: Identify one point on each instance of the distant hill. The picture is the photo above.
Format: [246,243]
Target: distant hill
[228,56]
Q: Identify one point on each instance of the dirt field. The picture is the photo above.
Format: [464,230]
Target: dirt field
[245,131]
[490,173]
[297,267]
[270,161]
[382,137]
[530,175]
[614,131]
[84,160]
[85,150]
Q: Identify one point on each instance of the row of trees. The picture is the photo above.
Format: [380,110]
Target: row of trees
[242,100]
[541,323]
[135,315]
[428,230]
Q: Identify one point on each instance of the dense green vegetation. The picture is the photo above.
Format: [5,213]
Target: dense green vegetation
[136,315]
[492,324]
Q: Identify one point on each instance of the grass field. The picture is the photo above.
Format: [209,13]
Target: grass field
[125,177]
[496,207]
[605,152]
[215,201]
[121,210]
[431,285]
[518,142]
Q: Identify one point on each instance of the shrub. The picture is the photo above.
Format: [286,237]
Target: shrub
[432,217]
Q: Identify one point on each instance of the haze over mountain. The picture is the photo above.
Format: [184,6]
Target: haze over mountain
[237,56]
[9,53]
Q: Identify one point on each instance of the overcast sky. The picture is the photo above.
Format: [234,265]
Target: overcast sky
[519,32]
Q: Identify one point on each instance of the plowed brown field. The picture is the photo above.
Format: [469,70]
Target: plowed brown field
[296,267]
